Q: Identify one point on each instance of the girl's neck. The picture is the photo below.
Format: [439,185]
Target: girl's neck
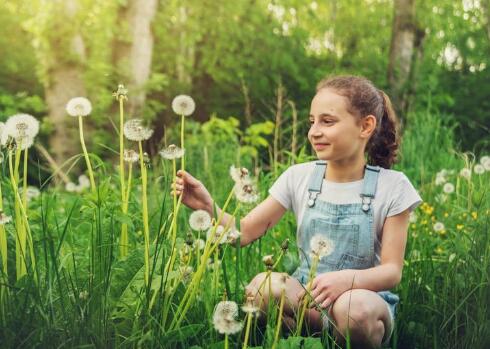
[345,171]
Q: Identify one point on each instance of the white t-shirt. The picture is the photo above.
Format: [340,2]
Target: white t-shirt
[394,194]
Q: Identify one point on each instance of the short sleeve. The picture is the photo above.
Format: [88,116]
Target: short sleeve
[281,190]
[405,196]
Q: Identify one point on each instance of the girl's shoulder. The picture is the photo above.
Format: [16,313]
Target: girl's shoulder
[389,176]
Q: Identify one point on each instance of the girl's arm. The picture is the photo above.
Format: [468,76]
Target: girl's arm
[327,287]
[264,216]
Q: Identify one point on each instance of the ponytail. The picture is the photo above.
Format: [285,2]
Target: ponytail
[365,99]
[382,148]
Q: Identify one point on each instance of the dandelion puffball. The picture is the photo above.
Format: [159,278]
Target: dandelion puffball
[465,172]
[78,106]
[246,191]
[200,220]
[183,105]
[224,316]
[134,130]
[321,246]
[448,188]
[130,156]
[172,152]
[22,128]
[238,173]
[479,169]
[438,226]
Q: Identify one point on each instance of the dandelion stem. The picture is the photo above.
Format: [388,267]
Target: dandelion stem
[182,128]
[85,153]
[146,229]
[123,243]
[306,298]
[279,320]
[247,330]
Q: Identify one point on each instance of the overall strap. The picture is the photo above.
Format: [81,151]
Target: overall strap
[369,186]
[316,181]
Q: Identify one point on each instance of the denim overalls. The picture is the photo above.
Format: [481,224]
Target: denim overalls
[349,227]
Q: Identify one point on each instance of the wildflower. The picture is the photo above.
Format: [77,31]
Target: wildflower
[459,226]
[245,191]
[250,307]
[200,244]
[233,235]
[130,156]
[134,130]
[439,250]
[438,226]
[83,296]
[121,93]
[200,220]
[78,106]
[465,172]
[83,182]
[448,188]
[183,105]
[474,214]
[268,260]
[238,173]
[22,128]
[479,169]
[224,316]
[321,246]
[4,219]
[485,161]
[71,187]
[441,177]
[220,235]
[172,152]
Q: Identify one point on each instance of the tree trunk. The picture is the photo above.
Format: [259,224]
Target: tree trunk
[406,41]
[133,50]
[64,81]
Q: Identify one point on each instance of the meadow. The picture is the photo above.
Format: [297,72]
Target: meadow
[115,260]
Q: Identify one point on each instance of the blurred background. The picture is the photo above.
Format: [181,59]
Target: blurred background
[248,59]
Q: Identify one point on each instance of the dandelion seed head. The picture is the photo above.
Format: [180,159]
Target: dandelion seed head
[172,152]
[448,188]
[238,173]
[479,169]
[268,260]
[200,220]
[199,243]
[130,156]
[134,130]
[465,172]
[250,307]
[183,105]
[71,187]
[438,226]
[78,106]
[121,93]
[220,235]
[321,246]
[246,191]
[233,235]
[4,219]
[21,128]
[224,318]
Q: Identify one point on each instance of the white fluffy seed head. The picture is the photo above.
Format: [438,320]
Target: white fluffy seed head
[438,226]
[134,130]
[78,106]
[448,188]
[172,152]
[22,128]
[224,316]
[238,173]
[246,191]
[200,220]
[321,246]
[183,105]
[130,156]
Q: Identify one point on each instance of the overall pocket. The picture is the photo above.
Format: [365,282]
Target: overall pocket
[345,239]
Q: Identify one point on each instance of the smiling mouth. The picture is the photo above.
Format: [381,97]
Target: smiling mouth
[320,146]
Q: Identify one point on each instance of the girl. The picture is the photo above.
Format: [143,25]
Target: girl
[350,201]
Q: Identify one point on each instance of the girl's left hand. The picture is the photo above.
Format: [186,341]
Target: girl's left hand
[327,287]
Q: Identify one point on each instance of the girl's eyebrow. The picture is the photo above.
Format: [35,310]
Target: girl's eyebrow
[322,115]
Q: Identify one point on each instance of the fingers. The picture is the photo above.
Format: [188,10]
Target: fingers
[177,188]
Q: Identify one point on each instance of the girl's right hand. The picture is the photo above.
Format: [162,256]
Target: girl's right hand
[194,193]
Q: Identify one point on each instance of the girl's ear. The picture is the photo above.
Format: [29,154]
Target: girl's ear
[368,126]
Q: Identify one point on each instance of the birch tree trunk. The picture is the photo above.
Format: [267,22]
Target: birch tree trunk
[133,50]
[64,81]
[406,41]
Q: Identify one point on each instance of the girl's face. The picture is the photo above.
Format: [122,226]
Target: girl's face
[335,134]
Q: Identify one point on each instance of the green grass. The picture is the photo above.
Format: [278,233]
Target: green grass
[86,296]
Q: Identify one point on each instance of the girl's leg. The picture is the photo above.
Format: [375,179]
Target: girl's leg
[260,289]
[366,315]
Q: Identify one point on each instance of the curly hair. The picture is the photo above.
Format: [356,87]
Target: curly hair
[365,99]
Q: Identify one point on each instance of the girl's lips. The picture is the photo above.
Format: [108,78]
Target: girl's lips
[320,146]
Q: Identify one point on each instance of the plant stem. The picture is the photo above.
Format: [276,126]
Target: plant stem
[146,229]
[85,153]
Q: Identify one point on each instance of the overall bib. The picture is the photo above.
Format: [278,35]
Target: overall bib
[350,229]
